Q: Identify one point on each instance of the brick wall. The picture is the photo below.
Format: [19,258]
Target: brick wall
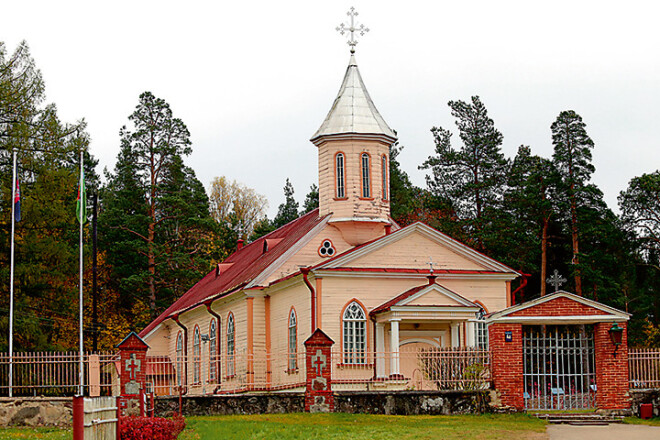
[611,371]
[559,307]
[318,390]
[507,363]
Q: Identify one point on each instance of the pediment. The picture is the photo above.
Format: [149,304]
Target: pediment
[430,295]
[413,247]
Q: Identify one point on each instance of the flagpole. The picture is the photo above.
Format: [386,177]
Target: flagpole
[11,280]
[81,221]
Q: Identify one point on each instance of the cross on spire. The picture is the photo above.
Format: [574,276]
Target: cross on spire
[556,280]
[351,28]
[431,265]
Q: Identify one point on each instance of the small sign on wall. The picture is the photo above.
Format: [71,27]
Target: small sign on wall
[508,336]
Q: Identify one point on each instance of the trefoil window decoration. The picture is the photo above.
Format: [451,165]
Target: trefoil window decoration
[384,176]
[327,249]
[213,350]
[481,331]
[354,323]
[179,359]
[339,176]
[366,180]
[293,341]
[196,355]
[230,345]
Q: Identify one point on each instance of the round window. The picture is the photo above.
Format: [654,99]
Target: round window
[326,249]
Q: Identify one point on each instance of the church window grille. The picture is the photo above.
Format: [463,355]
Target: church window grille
[196,355]
[179,359]
[293,341]
[230,345]
[384,176]
[354,323]
[339,174]
[366,178]
[213,351]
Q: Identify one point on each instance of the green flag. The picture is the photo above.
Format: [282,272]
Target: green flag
[81,205]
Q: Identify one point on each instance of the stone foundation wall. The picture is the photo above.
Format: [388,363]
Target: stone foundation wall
[366,402]
[36,411]
[637,397]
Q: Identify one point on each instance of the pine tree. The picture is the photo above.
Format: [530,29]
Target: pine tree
[572,159]
[311,199]
[470,178]
[287,211]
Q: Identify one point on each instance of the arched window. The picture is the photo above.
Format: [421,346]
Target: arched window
[339,176]
[354,324]
[196,355]
[481,331]
[179,359]
[366,176]
[230,345]
[213,351]
[384,174]
[293,340]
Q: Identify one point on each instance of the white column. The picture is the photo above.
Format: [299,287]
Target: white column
[380,349]
[455,335]
[394,346]
[469,334]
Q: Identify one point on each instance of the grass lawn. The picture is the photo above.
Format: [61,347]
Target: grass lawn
[35,433]
[360,426]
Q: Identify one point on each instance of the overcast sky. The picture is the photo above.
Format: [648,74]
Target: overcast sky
[253,80]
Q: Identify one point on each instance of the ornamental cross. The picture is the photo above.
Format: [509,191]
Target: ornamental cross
[431,265]
[351,28]
[318,361]
[556,280]
[133,366]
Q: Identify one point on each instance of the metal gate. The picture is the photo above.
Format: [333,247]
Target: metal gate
[558,367]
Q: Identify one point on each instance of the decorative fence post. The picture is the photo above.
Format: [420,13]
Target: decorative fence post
[318,392]
[132,374]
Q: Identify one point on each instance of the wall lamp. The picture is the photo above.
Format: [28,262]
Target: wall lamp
[616,334]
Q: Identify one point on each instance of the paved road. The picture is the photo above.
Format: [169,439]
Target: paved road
[605,432]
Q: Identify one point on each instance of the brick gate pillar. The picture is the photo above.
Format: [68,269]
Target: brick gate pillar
[132,373]
[318,392]
[611,368]
[506,364]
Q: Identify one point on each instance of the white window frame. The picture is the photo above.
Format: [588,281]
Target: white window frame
[197,355]
[179,359]
[231,345]
[213,350]
[481,331]
[340,176]
[384,177]
[366,175]
[354,327]
[293,340]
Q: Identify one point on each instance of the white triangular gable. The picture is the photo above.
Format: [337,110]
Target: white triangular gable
[411,247]
[435,295]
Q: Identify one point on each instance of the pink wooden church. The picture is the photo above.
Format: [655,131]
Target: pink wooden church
[406,308]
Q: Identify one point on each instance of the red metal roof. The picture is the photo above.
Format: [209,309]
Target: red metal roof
[247,264]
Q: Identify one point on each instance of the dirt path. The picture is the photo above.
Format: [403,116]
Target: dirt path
[605,432]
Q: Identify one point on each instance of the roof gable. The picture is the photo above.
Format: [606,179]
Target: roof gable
[427,295]
[411,247]
[559,305]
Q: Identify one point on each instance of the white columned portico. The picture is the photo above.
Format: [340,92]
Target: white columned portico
[394,346]
[455,335]
[380,349]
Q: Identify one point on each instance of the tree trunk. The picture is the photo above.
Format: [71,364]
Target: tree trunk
[544,254]
[576,250]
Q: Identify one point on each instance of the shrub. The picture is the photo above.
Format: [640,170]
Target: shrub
[151,428]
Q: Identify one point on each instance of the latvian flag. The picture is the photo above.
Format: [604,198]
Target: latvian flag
[17,203]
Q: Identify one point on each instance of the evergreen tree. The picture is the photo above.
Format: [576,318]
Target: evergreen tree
[402,191]
[471,178]
[311,199]
[159,232]
[287,211]
[640,209]
[572,158]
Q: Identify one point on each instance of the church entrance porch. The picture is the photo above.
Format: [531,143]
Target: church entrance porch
[559,368]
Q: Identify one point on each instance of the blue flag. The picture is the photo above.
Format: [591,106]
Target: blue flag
[17,203]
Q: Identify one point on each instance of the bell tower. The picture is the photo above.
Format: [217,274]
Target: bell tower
[353,150]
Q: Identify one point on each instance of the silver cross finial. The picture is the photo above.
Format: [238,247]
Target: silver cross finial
[431,265]
[351,28]
[556,280]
